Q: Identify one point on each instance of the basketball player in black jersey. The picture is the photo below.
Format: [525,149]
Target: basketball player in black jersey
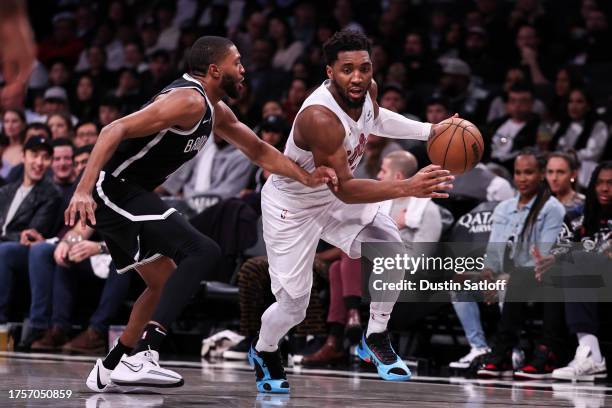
[134,155]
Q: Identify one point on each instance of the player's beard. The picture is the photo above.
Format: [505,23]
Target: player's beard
[350,102]
[230,86]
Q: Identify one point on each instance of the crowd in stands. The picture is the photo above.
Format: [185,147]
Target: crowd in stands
[533,75]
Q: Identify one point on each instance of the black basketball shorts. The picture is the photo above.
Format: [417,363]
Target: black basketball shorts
[136,224]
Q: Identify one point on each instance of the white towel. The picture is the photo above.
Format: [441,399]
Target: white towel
[414,211]
[215,345]
[101,265]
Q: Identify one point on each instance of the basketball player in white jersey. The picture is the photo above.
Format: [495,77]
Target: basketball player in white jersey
[332,129]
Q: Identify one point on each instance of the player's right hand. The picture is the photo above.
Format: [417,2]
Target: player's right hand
[83,205]
[427,182]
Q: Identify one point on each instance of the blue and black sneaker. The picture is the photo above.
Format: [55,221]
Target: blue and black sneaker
[376,349]
[271,377]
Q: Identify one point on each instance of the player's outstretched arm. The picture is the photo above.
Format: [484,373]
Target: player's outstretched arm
[179,107]
[263,154]
[323,134]
[395,126]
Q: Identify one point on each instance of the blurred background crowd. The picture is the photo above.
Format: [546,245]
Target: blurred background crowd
[533,75]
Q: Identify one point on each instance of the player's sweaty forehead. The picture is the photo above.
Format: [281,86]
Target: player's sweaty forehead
[353,58]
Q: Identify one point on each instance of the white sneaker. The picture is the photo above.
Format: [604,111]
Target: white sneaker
[99,379]
[582,367]
[465,361]
[143,370]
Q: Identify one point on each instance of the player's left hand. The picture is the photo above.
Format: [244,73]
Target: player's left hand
[441,126]
[82,204]
[322,175]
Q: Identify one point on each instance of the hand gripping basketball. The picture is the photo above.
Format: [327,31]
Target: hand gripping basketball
[427,182]
[455,144]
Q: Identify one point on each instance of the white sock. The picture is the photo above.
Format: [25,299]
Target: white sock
[380,313]
[380,310]
[587,339]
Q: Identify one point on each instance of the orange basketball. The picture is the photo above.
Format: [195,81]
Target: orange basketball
[457,147]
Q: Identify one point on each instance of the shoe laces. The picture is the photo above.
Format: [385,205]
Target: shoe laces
[380,344]
[150,357]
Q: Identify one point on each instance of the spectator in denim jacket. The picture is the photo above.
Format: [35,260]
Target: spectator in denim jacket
[533,218]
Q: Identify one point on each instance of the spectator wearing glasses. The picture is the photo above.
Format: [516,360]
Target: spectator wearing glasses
[86,134]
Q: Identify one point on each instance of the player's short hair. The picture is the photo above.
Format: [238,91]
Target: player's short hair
[345,40]
[404,162]
[207,50]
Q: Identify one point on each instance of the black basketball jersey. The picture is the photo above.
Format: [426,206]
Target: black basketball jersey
[148,161]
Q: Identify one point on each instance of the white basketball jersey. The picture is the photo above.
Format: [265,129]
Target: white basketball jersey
[355,139]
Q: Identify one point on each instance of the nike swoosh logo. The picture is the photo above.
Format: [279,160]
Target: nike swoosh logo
[159,331]
[133,367]
[206,121]
[163,374]
[100,385]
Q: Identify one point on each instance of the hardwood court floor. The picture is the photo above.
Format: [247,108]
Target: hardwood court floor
[231,385]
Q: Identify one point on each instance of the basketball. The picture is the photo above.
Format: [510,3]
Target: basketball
[458,147]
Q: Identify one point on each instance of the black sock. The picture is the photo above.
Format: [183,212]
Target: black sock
[151,339]
[112,358]
[352,302]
